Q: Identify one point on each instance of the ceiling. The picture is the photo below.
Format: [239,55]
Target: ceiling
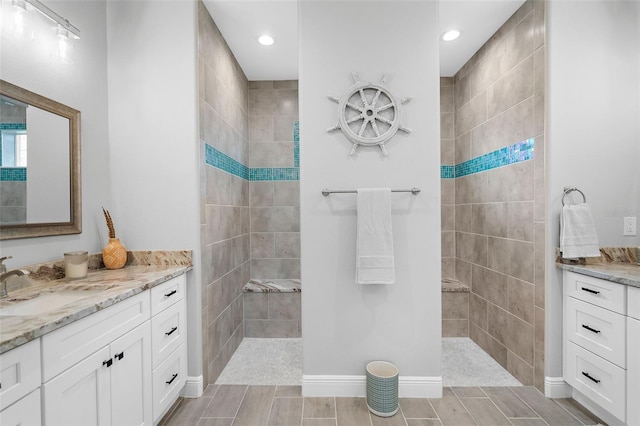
[241,22]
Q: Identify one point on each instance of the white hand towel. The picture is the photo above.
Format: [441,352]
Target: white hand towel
[578,237]
[374,246]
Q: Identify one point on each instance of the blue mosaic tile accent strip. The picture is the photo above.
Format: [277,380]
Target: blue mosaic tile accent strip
[218,159]
[276,173]
[516,153]
[13,174]
[296,144]
[13,126]
[447,172]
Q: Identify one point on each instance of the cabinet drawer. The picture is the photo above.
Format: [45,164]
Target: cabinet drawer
[168,380]
[599,380]
[167,294]
[601,331]
[25,412]
[633,302]
[71,344]
[19,372]
[168,331]
[606,294]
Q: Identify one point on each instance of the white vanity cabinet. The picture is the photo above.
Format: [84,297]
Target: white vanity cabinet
[97,369]
[168,330]
[20,385]
[601,356]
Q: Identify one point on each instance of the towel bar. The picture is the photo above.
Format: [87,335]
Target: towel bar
[326,192]
[568,190]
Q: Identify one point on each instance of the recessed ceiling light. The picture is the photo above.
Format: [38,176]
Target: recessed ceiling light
[450,35]
[265,40]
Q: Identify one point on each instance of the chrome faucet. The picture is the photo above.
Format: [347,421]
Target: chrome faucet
[4,276]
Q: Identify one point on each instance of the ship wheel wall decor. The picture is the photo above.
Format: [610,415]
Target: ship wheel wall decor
[369,113]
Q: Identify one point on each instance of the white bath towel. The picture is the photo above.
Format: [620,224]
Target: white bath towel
[374,246]
[578,237]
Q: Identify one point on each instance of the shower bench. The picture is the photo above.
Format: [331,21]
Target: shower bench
[455,308]
[272,308]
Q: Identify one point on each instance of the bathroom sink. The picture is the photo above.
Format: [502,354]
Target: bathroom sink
[44,302]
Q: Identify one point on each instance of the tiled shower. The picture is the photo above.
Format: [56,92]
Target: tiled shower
[492,139]
[492,130]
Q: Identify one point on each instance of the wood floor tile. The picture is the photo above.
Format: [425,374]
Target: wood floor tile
[468,392]
[508,402]
[210,390]
[484,412]
[450,410]
[578,411]
[319,422]
[286,411]
[288,391]
[226,401]
[550,412]
[417,408]
[209,421]
[423,422]
[256,406]
[352,411]
[188,412]
[529,422]
[319,408]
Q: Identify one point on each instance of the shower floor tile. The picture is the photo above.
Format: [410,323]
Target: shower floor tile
[464,363]
[279,362]
[265,362]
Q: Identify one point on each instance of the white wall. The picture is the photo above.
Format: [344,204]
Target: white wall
[81,85]
[594,137]
[346,325]
[153,140]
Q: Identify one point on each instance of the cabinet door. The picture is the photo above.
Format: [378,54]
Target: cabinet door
[80,395]
[25,412]
[131,378]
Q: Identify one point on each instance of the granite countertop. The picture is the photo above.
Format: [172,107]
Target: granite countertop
[101,289]
[622,273]
[616,264]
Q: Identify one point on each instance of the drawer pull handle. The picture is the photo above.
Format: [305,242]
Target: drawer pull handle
[590,329]
[590,378]
[119,356]
[588,290]
[170,332]
[176,375]
[107,363]
[171,293]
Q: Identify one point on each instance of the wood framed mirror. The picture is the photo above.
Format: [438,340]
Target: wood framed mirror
[40,177]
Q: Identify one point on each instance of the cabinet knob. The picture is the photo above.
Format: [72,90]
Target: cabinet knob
[171,293]
[172,379]
[170,332]
[119,356]
[107,363]
[588,376]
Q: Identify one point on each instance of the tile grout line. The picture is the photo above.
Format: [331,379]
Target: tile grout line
[570,413]
[525,403]
[464,406]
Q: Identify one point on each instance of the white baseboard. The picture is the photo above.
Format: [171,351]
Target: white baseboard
[193,387]
[556,387]
[333,385]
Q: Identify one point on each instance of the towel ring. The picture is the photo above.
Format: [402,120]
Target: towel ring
[570,190]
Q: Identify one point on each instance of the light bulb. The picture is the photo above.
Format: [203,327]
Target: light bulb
[265,40]
[450,35]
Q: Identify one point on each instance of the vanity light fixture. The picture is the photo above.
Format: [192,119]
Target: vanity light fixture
[265,40]
[64,27]
[450,35]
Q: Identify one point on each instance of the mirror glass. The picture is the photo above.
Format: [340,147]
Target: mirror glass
[39,165]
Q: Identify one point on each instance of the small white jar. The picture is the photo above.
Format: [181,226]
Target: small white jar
[76,264]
